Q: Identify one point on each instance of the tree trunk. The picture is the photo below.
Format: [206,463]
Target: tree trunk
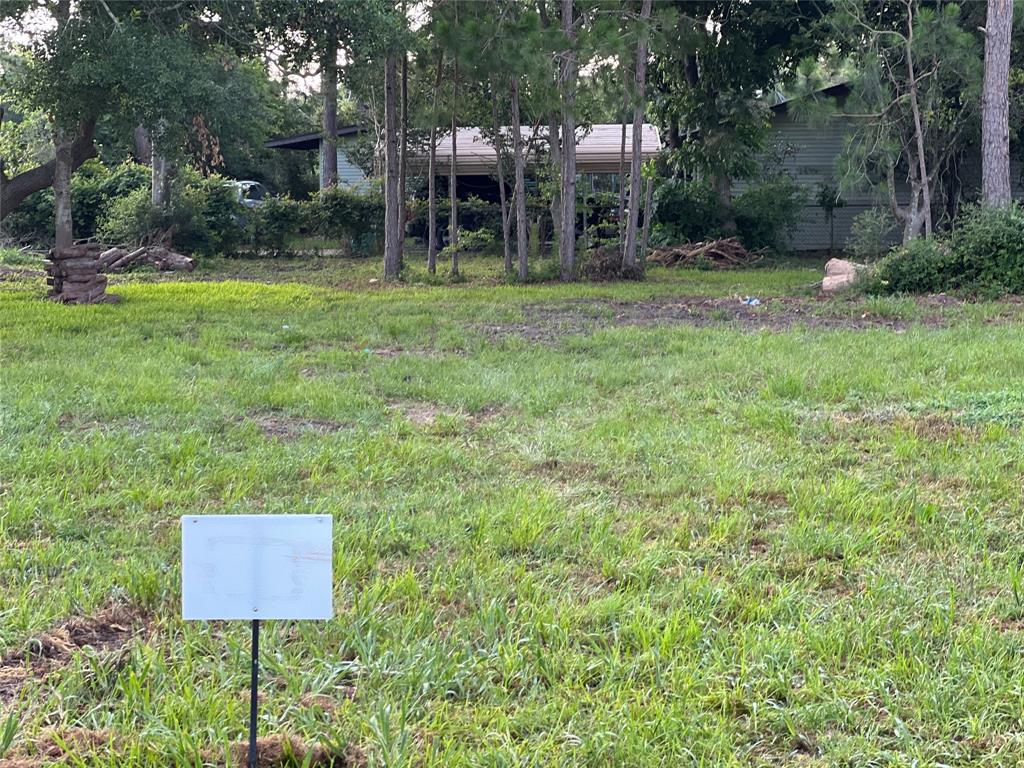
[522,226]
[143,145]
[14,190]
[329,142]
[555,149]
[453,176]
[995,105]
[506,219]
[648,212]
[392,207]
[629,261]
[432,175]
[404,162]
[567,89]
[723,194]
[160,184]
[926,196]
[64,235]
[623,68]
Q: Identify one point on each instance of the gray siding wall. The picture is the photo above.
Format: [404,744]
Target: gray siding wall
[809,155]
[350,175]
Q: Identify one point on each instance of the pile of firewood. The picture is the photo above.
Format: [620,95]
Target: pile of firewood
[74,275]
[726,253]
[163,259]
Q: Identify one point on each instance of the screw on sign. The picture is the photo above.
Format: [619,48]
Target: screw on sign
[253,568]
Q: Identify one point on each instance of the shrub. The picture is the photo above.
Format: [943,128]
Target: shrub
[983,255]
[767,212]
[921,266]
[871,234]
[358,219]
[272,224]
[93,187]
[129,219]
[204,217]
[684,211]
[988,247]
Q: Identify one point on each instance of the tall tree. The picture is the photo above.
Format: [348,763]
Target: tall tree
[329,122]
[995,105]
[432,170]
[914,94]
[714,62]
[567,75]
[392,171]
[629,258]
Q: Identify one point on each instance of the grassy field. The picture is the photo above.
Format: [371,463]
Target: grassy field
[586,525]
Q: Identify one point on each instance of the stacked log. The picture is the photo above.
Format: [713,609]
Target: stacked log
[74,275]
[163,259]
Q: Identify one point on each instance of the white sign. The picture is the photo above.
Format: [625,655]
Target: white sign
[256,567]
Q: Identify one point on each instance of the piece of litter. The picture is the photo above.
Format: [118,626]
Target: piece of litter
[751,301]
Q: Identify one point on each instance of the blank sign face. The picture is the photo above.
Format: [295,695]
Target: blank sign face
[256,567]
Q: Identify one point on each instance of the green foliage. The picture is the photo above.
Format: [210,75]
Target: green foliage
[274,223]
[766,212]
[871,234]
[470,241]
[983,255]
[93,187]
[687,211]
[203,218]
[357,219]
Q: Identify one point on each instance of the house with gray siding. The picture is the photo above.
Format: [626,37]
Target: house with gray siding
[809,154]
[350,174]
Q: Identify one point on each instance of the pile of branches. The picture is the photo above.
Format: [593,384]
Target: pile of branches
[163,259]
[726,253]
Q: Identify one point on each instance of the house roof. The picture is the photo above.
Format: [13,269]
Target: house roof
[310,140]
[597,149]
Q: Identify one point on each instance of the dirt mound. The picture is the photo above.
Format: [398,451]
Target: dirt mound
[108,631]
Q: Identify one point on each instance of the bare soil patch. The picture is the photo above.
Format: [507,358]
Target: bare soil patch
[281,427]
[549,322]
[287,750]
[109,631]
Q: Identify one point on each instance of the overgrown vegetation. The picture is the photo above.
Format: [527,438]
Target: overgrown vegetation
[983,255]
[764,213]
[576,547]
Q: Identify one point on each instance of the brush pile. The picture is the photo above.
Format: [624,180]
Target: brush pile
[163,259]
[726,253]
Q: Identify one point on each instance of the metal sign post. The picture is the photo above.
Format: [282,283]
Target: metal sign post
[256,567]
[253,695]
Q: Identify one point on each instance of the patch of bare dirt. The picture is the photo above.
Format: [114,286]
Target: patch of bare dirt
[287,750]
[419,413]
[281,427]
[549,322]
[937,427]
[109,631]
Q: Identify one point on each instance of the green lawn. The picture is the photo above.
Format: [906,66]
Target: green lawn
[585,525]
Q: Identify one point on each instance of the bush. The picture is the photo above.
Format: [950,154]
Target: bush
[684,212]
[357,219]
[93,187]
[871,234]
[272,224]
[982,255]
[765,212]
[204,217]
